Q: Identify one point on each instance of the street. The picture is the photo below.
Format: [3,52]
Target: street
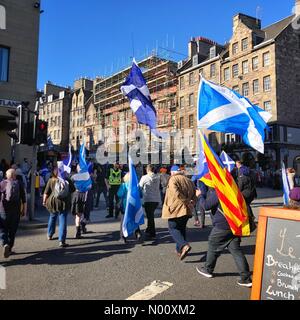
[99,266]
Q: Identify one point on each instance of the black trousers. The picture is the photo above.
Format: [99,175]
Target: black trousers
[218,241]
[150,208]
[111,196]
[9,223]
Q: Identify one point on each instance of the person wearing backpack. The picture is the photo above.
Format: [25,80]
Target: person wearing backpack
[57,200]
[12,197]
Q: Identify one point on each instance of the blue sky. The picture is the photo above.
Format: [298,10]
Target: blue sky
[95,37]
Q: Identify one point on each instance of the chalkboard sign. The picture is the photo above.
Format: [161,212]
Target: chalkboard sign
[276,274]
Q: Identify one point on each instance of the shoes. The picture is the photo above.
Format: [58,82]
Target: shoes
[204,272]
[63,245]
[109,216]
[245,283]
[78,233]
[184,251]
[83,228]
[139,236]
[6,251]
[50,238]
[123,240]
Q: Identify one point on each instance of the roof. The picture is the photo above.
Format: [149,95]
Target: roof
[272,31]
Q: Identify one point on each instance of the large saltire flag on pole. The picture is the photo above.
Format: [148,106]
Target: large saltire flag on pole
[134,215]
[136,90]
[82,179]
[286,186]
[230,197]
[224,110]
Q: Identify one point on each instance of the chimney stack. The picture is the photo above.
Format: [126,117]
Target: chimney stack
[297,8]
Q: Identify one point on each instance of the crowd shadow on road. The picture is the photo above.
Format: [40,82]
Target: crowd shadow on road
[74,254]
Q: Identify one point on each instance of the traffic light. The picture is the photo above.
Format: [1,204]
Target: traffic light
[41,131]
[18,124]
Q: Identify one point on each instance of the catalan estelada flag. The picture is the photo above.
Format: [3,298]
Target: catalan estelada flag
[231,199]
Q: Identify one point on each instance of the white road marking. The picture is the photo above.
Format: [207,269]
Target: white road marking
[149,292]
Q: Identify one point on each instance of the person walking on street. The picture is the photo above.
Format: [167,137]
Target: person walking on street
[113,182]
[58,205]
[12,206]
[178,207]
[164,179]
[220,238]
[150,184]
[247,186]
[101,186]
[199,209]
[122,195]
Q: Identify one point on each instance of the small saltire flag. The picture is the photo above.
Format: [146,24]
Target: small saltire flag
[49,143]
[44,170]
[67,161]
[136,90]
[82,180]
[134,215]
[286,186]
[227,161]
[231,199]
[224,110]
[202,171]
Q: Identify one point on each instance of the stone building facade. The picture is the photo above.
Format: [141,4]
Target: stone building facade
[262,64]
[56,111]
[19,39]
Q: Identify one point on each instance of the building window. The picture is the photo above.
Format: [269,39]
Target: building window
[226,74]
[4,64]
[191,78]
[268,106]
[255,63]
[2,18]
[191,100]
[181,102]
[267,83]
[246,89]
[181,81]
[244,44]
[181,123]
[266,59]
[191,121]
[235,48]
[245,67]
[236,89]
[235,70]
[255,86]
[201,73]
[213,70]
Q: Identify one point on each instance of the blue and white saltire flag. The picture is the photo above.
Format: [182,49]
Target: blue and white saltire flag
[286,185]
[136,90]
[67,162]
[49,143]
[227,161]
[82,179]
[134,215]
[224,110]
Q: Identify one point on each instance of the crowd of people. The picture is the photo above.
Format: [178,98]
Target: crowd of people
[181,198]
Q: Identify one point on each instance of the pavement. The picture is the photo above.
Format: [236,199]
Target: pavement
[99,266]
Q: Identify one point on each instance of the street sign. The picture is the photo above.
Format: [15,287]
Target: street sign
[276,274]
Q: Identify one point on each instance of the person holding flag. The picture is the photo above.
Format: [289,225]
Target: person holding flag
[131,205]
[83,184]
[230,215]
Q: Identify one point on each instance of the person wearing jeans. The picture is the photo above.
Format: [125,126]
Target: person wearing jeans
[150,186]
[220,238]
[179,204]
[62,233]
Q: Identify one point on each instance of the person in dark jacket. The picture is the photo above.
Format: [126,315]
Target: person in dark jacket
[247,186]
[220,238]
[12,203]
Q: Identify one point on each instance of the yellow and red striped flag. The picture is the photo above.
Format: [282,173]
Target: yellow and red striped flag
[230,197]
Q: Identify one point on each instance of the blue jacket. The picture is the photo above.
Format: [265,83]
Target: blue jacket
[211,202]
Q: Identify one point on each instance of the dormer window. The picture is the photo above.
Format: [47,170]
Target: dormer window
[245,44]
[212,52]
[235,48]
